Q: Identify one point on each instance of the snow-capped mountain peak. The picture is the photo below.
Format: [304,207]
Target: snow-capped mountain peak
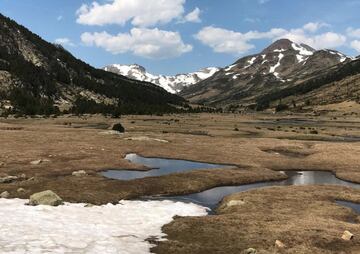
[173,84]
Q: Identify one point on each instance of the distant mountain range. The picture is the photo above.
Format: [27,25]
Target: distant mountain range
[37,77]
[172,84]
[284,73]
[253,80]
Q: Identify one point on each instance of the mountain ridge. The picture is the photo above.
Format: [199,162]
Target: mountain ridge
[282,64]
[172,84]
[37,77]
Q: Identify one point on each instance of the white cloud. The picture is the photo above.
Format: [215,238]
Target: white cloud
[355,45]
[354,33]
[237,43]
[141,13]
[148,43]
[64,42]
[59,18]
[319,41]
[193,16]
[314,26]
[224,41]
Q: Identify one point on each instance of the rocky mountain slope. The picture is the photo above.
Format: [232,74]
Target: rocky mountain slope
[37,77]
[172,84]
[282,65]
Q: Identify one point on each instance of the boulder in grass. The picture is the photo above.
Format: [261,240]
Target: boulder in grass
[5,194]
[45,198]
[347,236]
[279,244]
[8,179]
[79,173]
[118,127]
[250,251]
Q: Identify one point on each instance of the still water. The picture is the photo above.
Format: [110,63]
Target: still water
[212,197]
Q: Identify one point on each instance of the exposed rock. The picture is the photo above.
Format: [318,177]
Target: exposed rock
[23,176]
[89,205]
[38,162]
[347,236]
[21,190]
[45,198]
[279,244]
[110,132]
[234,203]
[5,194]
[79,173]
[250,251]
[118,127]
[8,179]
[1,164]
[144,138]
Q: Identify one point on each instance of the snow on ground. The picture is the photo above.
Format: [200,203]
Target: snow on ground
[73,228]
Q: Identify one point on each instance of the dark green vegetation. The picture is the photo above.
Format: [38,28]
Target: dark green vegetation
[42,74]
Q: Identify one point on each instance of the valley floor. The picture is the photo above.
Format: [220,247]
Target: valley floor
[45,152]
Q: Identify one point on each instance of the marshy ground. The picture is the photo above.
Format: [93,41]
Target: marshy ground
[305,218]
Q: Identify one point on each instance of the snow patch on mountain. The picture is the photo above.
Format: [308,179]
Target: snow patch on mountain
[250,62]
[172,84]
[273,68]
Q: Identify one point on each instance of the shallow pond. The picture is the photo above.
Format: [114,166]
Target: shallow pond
[159,167]
[212,197]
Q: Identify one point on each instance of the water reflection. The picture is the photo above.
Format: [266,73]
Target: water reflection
[212,197]
[159,167]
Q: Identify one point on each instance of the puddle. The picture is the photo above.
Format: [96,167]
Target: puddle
[210,198]
[159,167]
[354,206]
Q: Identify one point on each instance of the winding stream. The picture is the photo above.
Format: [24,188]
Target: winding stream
[210,198]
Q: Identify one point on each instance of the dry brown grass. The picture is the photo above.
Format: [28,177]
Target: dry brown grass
[304,218]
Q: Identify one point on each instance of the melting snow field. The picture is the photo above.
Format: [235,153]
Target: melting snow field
[73,228]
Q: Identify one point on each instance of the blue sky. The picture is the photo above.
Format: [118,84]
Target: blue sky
[179,36]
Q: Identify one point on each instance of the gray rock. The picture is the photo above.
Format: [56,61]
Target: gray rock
[8,179]
[21,190]
[5,194]
[250,251]
[79,173]
[37,162]
[45,198]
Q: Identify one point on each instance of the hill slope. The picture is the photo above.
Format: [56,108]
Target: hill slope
[37,77]
[282,65]
[172,84]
